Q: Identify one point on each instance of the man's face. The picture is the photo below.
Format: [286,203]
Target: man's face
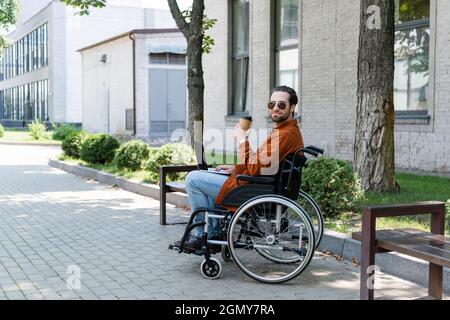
[277,114]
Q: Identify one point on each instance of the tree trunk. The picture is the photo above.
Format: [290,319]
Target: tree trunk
[193,32]
[374,138]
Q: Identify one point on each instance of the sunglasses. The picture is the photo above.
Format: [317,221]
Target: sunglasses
[281,105]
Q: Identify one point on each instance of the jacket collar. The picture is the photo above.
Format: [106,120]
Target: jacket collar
[285,124]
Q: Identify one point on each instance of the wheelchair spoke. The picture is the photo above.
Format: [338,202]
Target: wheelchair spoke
[271,247]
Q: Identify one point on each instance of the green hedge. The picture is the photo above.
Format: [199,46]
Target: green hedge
[2,131]
[99,148]
[132,155]
[71,145]
[169,154]
[63,131]
[37,129]
[333,184]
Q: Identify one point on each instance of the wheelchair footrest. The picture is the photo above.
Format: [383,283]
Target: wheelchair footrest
[177,244]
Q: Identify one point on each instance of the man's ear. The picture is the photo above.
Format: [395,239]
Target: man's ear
[293,110]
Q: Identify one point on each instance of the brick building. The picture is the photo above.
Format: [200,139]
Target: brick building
[312,45]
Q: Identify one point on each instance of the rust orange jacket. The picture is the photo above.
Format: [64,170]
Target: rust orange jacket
[286,138]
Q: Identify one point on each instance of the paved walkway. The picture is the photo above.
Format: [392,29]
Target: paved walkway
[53,224]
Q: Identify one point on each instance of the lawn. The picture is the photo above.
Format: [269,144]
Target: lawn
[140,176]
[414,188]
[23,136]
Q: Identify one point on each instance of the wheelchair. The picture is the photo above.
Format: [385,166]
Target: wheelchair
[273,234]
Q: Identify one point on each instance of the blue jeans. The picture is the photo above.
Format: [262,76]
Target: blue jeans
[202,189]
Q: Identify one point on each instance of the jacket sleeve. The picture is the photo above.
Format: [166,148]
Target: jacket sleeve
[265,160]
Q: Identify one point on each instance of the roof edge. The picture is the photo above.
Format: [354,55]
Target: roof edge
[134,31]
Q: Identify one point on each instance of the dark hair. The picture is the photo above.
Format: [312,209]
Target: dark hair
[293,99]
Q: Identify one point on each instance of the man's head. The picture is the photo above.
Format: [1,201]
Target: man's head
[282,104]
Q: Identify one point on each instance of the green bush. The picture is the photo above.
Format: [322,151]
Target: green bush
[62,131]
[132,155]
[71,145]
[169,154]
[333,184]
[37,129]
[98,148]
[2,131]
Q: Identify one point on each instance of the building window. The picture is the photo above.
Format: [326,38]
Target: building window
[240,56]
[27,54]
[412,57]
[286,43]
[25,103]
[167,58]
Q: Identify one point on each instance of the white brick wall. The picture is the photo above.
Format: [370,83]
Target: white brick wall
[142,76]
[107,87]
[329,54]
[116,79]
[215,68]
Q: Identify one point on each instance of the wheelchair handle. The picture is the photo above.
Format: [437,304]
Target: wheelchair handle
[310,152]
[316,149]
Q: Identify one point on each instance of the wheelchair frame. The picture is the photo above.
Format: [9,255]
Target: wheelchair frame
[211,268]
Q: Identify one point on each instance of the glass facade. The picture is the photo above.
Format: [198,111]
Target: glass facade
[25,103]
[29,101]
[240,56]
[286,43]
[27,54]
[412,56]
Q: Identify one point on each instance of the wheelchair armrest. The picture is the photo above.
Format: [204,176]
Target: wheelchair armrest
[257,179]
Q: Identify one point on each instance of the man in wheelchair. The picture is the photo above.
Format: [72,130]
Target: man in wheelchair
[207,191]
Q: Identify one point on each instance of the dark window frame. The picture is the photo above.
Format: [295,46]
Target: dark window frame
[414,114]
[234,110]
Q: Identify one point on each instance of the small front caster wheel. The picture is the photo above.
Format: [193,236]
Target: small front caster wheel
[211,270]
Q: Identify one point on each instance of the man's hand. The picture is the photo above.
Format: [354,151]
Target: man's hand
[225,167]
[240,133]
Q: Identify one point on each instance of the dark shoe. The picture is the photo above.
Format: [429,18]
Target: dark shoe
[214,248]
[193,244]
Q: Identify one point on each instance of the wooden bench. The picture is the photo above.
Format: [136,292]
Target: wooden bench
[167,187]
[432,246]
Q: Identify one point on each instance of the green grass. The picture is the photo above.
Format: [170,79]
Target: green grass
[23,136]
[413,188]
[111,168]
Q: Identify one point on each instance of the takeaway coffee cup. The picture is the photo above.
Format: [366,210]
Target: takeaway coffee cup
[245,122]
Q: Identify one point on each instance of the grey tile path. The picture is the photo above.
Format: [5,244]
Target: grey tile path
[51,221]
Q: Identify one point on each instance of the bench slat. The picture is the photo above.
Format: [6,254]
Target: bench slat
[176,187]
[416,243]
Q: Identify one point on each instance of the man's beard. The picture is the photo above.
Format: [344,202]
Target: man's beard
[280,118]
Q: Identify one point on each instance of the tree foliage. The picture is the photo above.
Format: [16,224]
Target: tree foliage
[84,5]
[208,23]
[8,15]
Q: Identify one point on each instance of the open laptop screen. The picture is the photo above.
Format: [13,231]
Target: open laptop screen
[200,156]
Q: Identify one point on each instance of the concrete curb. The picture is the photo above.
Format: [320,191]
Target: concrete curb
[339,244]
[144,189]
[30,144]
[399,265]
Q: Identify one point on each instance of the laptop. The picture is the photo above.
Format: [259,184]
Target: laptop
[202,165]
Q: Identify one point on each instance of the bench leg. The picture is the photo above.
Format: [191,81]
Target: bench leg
[162,208]
[435,278]
[367,260]
[367,256]
[162,197]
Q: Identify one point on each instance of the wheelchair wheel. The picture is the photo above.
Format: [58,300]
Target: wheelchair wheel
[310,206]
[271,239]
[212,269]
